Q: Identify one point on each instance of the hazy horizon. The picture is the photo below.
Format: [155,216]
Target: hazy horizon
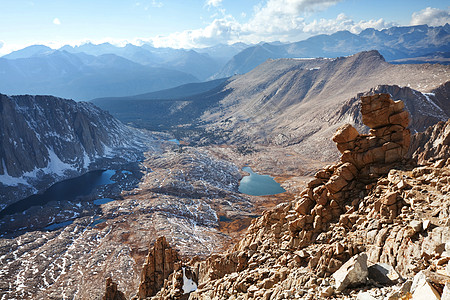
[201,23]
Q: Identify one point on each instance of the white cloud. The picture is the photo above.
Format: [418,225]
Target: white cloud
[342,22]
[56,21]
[213,3]
[1,44]
[279,16]
[278,20]
[157,4]
[219,31]
[431,16]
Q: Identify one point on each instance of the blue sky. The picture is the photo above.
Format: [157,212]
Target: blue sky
[201,23]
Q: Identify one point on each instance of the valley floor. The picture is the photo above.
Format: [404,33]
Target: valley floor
[190,195]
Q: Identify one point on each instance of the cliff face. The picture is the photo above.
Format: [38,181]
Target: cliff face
[45,135]
[432,145]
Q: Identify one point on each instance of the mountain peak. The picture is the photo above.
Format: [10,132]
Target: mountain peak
[30,51]
[372,54]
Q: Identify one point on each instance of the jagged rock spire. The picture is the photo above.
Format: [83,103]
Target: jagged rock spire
[161,261]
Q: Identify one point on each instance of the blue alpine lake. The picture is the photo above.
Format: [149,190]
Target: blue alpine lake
[102,201]
[66,190]
[55,226]
[259,185]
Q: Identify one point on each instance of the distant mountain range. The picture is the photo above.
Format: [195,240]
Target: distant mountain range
[91,71]
[82,77]
[394,43]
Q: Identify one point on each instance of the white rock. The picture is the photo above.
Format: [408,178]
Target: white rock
[417,280]
[365,296]
[416,225]
[446,292]
[327,292]
[424,291]
[446,253]
[353,272]
[426,224]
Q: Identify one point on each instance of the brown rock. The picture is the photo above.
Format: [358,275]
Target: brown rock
[335,184]
[348,171]
[161,261]
[401,118]
[304,206]
[344,134]
[390,198]
[297,224]
[111,292]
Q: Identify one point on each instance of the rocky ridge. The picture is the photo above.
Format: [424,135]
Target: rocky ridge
[373,226]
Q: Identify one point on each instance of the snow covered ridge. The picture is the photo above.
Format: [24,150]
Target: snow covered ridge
[46,135]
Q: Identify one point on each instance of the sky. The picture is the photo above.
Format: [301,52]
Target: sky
[201,23]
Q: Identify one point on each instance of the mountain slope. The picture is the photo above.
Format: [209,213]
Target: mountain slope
[166,110]
[301,102]
[296,103]
[393,43]
[44,139]
[182,91]
[82,76]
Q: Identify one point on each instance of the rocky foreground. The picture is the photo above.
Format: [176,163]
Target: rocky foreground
[376,225]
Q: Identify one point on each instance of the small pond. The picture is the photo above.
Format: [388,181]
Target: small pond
[259,185]
[176,141]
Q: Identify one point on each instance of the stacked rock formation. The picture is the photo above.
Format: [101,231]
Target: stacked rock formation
[388,142]
[365,157]
[161,261]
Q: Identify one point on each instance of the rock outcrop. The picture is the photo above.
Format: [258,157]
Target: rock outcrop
[375,154]
[162,260]
[111,292]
